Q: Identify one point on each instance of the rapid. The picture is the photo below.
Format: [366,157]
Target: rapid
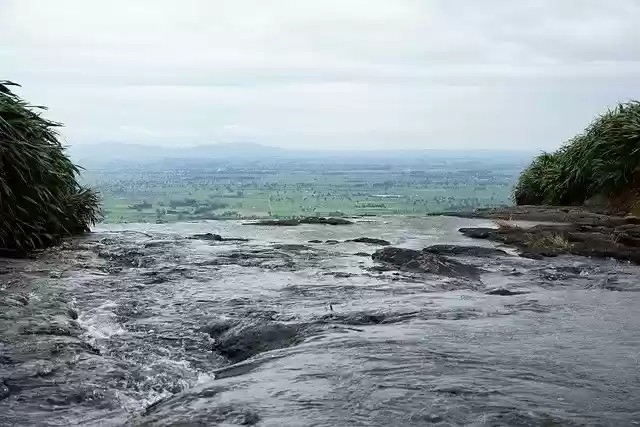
[147,325]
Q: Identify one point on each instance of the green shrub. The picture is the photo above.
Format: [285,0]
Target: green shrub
[554,241]
[603,160]
[41,200]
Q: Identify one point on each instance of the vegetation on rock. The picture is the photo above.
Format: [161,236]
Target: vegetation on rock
[602,161]
[41,200]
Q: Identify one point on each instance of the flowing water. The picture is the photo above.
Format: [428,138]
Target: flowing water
[139,325]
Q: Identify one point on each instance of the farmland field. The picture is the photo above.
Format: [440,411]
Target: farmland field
[176,190]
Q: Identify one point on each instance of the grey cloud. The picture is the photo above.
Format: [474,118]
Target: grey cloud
[331,73]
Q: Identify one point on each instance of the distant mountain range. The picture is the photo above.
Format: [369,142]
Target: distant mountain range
[119,151]
[124,151]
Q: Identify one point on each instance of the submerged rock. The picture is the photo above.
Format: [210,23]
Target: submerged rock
[277,222]
[539,253]
[475,251]
[133,256]
[340,274]
[4,390]
[186,409]
[370,241]
[249,339]
[327,221]
[380,268]
[291,247]
[505,292]
[357,319]
[53,327]
[72,313]
[269,259]
[208,236]
[424,262]
[290,222]
[17,299]
[218,328]
[478,232]
[218,238]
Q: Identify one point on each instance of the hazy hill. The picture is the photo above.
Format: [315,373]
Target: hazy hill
[109,152]
[112,151]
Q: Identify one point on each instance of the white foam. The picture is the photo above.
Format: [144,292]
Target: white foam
[101,323]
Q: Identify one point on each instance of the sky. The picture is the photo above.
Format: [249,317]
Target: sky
[323,74]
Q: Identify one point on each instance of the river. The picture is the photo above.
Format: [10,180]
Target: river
[138,325]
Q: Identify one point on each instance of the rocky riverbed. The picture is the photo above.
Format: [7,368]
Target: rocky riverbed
[217,323]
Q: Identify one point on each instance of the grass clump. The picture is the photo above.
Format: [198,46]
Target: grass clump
[41,200]
[549,242]
[603,160]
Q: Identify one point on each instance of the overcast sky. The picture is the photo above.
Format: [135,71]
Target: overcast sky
[335,74]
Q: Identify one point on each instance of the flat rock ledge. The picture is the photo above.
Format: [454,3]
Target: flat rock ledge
[608,237]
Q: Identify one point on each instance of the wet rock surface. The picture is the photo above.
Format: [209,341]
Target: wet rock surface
[305,220]
[425,262]
[218,238]
[457,250]
[370,241]
[363,254]
[505,292]
[572,230]
[557,214]
[153,328]
[611,238]
[249,339]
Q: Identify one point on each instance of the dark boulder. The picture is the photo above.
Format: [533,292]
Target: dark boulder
[370,241]
[424,262]
[247,340]
[208,236]
[505,292]
[326,221]
[277,222]
[291,222]
[455,250]
[478,232]
[217,328]
[539,253]
[380,268]
[217,238]
[355,319]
